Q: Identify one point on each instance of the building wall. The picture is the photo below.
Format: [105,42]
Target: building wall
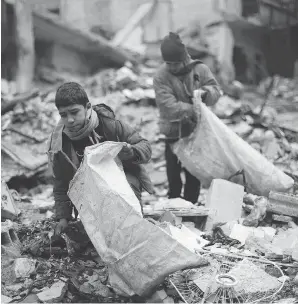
[184,11]
[45,4]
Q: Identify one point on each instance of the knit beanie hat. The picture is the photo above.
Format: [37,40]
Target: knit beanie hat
[173,49]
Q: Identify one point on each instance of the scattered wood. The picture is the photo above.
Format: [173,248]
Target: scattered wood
[10,104]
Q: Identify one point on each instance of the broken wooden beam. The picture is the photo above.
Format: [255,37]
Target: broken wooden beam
[283,203]
[198,211]
[48,27]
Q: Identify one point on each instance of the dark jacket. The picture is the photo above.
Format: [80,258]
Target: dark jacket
[61,149]
[174,98]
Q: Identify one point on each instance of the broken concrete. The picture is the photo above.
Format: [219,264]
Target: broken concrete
[261,246]
[169,217]
[31,298]
[241,233]
[287,241]
[10,243]
[258,212]
[283,203]
[5,299]
[187,238]
[53,294]
[158,297]
[169,300]
[97,288]
[295,281]
[23,267]
[252,279]
[224,199]
[9,209]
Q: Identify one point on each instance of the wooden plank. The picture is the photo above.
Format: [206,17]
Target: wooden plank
[200,211]
[23,156]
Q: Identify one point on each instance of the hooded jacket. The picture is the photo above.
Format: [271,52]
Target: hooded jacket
[174,98]
[60,157]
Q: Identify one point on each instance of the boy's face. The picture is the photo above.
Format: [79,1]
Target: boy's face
[74,116]
[174,67]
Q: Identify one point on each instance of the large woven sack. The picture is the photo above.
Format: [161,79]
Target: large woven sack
[213,150]
[139,254]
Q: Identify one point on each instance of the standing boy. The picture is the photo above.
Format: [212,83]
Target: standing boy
[82,125]
[174,84]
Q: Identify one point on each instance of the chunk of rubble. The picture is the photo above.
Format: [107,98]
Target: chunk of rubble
[287,241]
[188,238]
[5,299]
[10,243]
[31,298]
[283,279]
[55,293]
[241,233]
[286,301]
[261,246]
[158,297]
[224,199]
[169,300]
[9,209]
[295,281]
[169,217]
[258,212]
[23,267]
[252,279]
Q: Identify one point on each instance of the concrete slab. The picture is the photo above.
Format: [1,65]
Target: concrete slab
[224,200]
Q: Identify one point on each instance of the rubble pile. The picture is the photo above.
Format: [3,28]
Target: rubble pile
[284,93]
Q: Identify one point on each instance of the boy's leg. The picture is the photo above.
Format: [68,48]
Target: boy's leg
[192,188]
[173,173]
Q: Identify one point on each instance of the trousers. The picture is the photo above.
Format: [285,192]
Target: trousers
[192,185]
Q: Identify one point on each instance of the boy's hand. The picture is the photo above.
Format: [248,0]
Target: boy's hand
[200,94]
[61,226]
[126,153]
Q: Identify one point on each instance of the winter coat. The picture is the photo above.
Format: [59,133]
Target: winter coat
[61,149]
[174,98]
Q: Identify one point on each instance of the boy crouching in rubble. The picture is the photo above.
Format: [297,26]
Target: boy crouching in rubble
[82,125]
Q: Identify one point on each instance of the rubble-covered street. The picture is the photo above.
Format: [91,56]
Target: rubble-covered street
[232,246]
[68,269]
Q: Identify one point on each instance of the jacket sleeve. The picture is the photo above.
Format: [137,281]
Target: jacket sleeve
[63,204]
[167,102]
[210,85]
[141,146]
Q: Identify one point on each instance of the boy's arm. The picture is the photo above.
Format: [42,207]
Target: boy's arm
[63,205]
[209,84]
[140,147]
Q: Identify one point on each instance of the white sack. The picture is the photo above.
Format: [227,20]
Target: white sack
[139,254]
[214,151]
